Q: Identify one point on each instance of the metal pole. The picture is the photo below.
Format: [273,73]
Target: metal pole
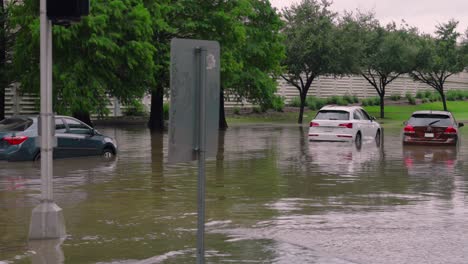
[47,218]
[46,194]
[201,86]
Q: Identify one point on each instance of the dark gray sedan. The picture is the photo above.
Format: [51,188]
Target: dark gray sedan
[19,137]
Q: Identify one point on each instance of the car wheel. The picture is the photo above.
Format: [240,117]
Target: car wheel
[107,153]
[358,140]
[378,137]
[37,157]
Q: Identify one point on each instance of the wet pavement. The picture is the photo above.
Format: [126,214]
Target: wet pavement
[272,197]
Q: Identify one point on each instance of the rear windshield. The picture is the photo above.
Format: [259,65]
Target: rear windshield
[430,120]
[332,115]
[15,124]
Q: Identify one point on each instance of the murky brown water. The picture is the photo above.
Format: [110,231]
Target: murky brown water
[272,197]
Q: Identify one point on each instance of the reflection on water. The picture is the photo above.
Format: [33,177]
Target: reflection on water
[272,197]
[46,251]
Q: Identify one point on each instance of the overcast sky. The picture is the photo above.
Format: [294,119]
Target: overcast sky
[424,14]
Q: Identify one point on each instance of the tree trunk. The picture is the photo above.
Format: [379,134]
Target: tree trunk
[444,101]
[301,111]
[83,116]
[2,103]
[3,81]
[222,115]
[156,120]
[382,106]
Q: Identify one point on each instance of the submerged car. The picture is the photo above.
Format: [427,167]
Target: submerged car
[343,123]
[431,128]
[19,135]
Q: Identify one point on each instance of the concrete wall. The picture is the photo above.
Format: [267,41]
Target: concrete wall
[322,87]
[328,86]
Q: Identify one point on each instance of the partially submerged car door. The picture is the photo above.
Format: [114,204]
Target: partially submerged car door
[83,140]
[60,133]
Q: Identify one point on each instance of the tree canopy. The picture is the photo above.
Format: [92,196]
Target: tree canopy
[382,54]
[109,53]
[439,58]
[313,46]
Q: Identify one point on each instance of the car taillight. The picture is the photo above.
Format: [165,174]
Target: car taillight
[450,130]
[347,125]
[15,140]
[409,129]
[313,124]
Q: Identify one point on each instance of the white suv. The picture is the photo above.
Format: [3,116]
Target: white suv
[343,123]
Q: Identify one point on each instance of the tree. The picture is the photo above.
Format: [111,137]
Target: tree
[251,48]
[384,54]
[108,53]
[439,58]
[312,47]
[164,16]
[7,35]
[260,54]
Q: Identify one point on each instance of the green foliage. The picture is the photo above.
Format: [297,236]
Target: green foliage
[424,100]
[440,57]
[457,95]
[435,97]
[314,46]
[333,100]
[315,103]
[109,53]
[135,108]
[370,101]
[395,97]
[295,102]
[420,94]
[249,34]
[257,110]
[166,111]
[427,93]
[236,110]
[411,99]
[382,54]
[350,99]
[278,103]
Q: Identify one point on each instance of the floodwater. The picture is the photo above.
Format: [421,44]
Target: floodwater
[272,197]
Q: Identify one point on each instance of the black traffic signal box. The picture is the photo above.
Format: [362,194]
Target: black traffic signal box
[67,11]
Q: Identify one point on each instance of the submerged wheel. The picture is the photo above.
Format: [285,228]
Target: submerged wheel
[37,157]
[108,153]
[378,137]
[358,140]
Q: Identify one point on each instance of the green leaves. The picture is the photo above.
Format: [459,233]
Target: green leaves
[109,53]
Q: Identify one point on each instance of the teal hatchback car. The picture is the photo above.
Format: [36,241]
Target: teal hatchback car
[18,137]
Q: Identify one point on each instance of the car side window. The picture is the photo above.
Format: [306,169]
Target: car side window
[60,126]
[364,114]
[77,127]
[357,115]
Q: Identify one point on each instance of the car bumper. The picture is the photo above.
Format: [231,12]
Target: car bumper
[434,142]
[330,137]
[15,153]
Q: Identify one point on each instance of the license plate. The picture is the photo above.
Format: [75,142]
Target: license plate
[429,135]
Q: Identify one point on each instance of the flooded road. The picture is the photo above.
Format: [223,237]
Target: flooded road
[272,197]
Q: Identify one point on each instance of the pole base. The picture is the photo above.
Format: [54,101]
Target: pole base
[47,251]
[47,222]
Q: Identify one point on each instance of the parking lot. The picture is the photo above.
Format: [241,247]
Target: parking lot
[272,197]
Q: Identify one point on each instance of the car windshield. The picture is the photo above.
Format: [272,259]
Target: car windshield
[15,124]
[436,120]
[332,115]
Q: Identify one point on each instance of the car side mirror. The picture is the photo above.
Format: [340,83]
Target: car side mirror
[92,132]
[372,118]
[461,124]
[405,123]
